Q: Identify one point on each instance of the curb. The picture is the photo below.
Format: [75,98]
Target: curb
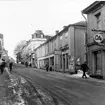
[72,76]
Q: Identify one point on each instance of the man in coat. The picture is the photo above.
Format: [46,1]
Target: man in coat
[84,68]
[10,65]
[2,66]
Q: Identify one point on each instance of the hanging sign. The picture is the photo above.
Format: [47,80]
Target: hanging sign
[98,38]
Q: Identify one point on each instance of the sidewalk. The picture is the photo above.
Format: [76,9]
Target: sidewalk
[3,85]
[77,76]
[15,90]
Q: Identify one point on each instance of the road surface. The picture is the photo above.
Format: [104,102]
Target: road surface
[70,91]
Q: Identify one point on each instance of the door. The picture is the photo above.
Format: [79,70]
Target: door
[98,60]
[64,62]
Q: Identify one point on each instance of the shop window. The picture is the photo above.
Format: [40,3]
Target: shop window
[60,61]
[66,61]
[98,60]
[63,61]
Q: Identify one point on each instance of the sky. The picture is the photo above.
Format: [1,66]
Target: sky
[21,18]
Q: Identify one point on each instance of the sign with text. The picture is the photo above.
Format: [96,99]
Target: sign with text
[57,52]
[98,38]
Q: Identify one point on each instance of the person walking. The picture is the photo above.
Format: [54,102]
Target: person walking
[10,65]
[84,68]
[26,64]
[2,66]
[47,67]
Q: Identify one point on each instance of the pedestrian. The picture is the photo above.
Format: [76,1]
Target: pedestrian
[10,65]
[2,66]
[50,68]
[84,68]
[30,64]
[26,63]
[47,67]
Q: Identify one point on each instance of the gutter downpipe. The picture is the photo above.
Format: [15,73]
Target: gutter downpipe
[74,51]
[86,38]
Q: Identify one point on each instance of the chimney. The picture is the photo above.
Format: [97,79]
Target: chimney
[64,27]
[32,36]
[57,31]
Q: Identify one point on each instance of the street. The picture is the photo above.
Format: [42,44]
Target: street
[67,90]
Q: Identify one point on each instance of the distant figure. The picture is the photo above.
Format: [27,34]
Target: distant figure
[10,66]
[26,63]
[47,67]
[84,68]
[30,64]
[50,68]
[2,66]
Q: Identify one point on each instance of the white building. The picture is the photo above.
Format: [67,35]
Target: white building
[37,39]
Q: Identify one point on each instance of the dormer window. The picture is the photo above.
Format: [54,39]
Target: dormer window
[98,19]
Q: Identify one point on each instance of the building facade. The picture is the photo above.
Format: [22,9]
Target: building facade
[64,50]
[96,37]
[45,53]
[36,40]
[77,48]
[1,43]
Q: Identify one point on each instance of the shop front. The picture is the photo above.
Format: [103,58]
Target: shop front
[96,58]
[64,61]
[97,63]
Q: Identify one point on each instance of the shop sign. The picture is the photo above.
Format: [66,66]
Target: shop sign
[98,38]
[57,52]
[71,66]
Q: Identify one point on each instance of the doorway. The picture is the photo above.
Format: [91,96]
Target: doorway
[98,62]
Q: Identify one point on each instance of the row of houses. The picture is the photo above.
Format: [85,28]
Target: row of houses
[76,43]
[64,50]
[61,52]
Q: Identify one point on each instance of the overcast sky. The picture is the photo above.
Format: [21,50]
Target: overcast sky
[21,18]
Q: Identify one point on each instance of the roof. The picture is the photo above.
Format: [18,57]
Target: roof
[91,7]
[81,23]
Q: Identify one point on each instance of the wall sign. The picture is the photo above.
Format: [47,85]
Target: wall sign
[98,38]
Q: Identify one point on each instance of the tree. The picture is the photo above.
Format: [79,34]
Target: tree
[19,47]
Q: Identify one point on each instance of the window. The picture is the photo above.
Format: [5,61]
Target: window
[60,37]
[98,62]
[60,61]
[98,17]
[66,35]
[67,61]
